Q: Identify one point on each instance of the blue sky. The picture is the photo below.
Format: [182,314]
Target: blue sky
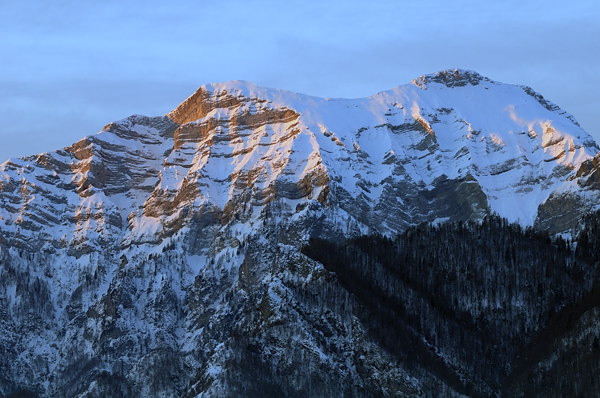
[67,67]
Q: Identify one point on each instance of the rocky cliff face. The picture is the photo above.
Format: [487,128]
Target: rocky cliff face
[161,256]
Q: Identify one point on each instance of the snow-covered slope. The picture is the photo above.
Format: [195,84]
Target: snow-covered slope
[453,125]
[450,145]
[144,237]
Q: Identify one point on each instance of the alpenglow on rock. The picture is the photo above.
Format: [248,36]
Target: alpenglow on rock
[139,260]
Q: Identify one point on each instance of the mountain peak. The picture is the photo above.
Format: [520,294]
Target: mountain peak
[205,99]
[228,94]
[450,78]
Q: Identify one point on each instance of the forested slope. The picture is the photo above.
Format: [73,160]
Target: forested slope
[492,307]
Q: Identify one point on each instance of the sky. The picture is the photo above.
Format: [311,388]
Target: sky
[67,68]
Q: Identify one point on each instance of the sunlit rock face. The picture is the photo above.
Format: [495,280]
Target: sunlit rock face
[163,245]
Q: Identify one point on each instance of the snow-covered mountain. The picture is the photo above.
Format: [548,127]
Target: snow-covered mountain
[144,249]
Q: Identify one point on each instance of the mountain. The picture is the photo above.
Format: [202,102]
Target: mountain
[182,255]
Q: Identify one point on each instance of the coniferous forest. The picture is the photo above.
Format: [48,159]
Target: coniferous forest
[493,308]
